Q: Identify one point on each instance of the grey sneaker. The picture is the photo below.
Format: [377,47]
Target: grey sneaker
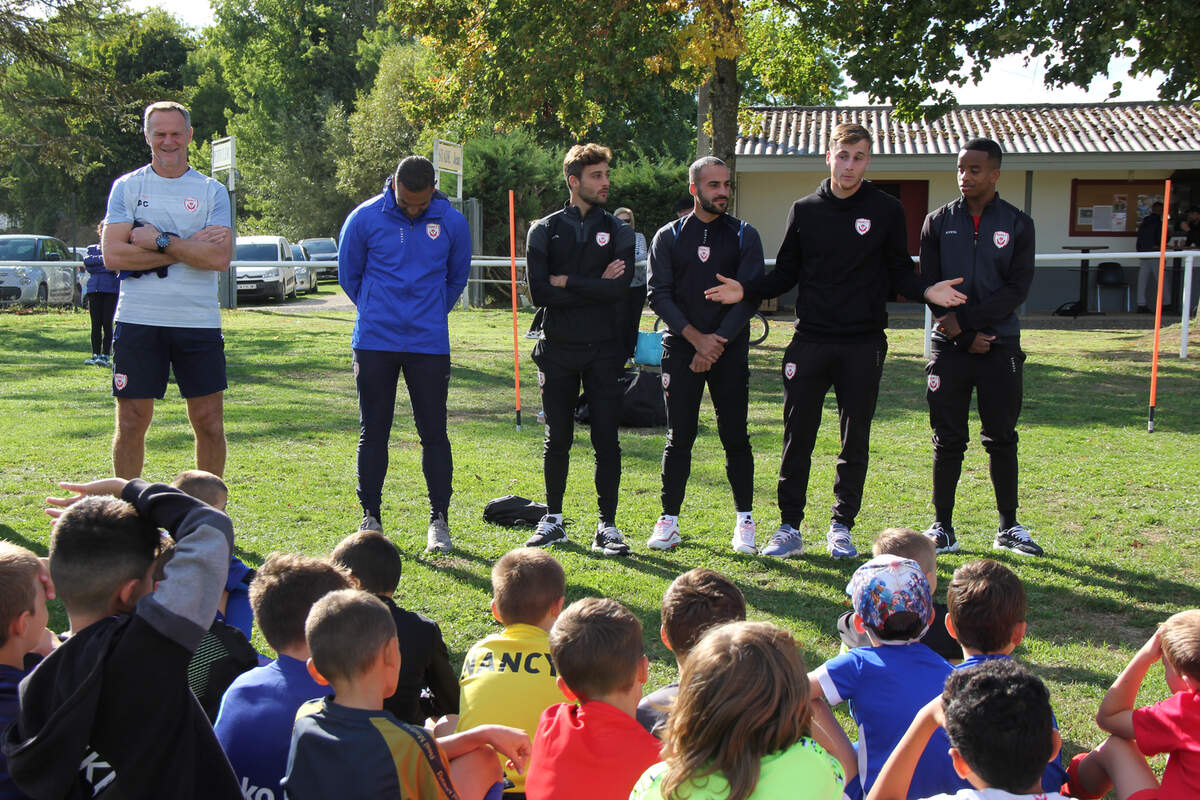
[785,543]
[437,538]
[838,542]
[369,523]
[609,541]
[547,533]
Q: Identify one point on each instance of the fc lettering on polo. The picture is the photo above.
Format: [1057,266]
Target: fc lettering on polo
[531,663]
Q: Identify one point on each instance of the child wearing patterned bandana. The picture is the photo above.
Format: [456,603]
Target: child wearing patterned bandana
[888,683]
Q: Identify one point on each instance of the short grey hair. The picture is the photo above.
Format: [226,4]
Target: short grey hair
[165,105]
[700,163]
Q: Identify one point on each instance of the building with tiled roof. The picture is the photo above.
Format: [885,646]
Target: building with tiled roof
[1084,172]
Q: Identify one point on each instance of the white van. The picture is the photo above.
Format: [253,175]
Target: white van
[277,280]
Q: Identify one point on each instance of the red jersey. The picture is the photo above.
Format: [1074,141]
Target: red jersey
[1173,727]
[589,752]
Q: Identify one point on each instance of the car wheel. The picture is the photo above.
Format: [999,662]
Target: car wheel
[292,294]
[43,295]
[77,297]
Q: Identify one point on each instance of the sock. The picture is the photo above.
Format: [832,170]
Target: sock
[605,523]
[944,516]
[744,516]
[555,518]
[1008,519]
[671,518]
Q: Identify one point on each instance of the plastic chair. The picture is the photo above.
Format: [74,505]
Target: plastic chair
[1110,275]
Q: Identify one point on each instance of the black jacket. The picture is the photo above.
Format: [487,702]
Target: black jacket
[685,258]
[996,264]
[424,664]
[1149,233]
[588,310]
[847,256]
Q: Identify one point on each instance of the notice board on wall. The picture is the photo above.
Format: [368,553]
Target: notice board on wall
[1111,208]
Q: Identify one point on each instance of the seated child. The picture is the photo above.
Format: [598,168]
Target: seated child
[595,750]
[694,602]
[225,651]
[346,746]
[997,715]
[1171,726]
[508,678]
[740,725]
[254,723]
[888,683]
[111,708]
[23,618]
[987,616]
[373,561]
[907,543]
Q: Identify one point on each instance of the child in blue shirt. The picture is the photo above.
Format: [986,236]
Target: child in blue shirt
[888,683]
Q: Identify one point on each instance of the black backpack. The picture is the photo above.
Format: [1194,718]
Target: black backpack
[512,511]
[642,401]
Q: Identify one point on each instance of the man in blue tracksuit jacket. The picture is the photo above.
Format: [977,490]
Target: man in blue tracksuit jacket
[403,259]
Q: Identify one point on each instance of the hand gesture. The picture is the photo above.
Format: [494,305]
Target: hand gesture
[710,346]
[558,280]
[143,236]
[213,234]
[981,344]
[948,325]
[513,743]
[700,364]
[729,292]
[614,270]
[100,488]
[944,294]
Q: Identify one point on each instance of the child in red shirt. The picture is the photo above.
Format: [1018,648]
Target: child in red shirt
[595,750]
[1171,726]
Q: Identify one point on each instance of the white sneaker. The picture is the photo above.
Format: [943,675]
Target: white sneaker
[665,535]
[743,537]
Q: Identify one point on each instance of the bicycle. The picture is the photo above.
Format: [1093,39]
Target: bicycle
[759,328]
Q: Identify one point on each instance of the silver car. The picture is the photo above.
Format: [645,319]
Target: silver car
[306,274]
[32,282]
[266,281]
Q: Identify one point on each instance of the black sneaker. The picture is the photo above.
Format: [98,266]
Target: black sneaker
[1018,540]
[548,533]
[943,538]
[609,541]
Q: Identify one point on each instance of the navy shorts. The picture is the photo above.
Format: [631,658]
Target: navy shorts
[144,355]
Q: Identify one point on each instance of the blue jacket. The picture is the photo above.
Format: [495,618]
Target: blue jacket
[403,274]
[99,278]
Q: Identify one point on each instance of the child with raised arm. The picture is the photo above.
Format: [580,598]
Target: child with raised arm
[428,686]
[1171,726]
[997,715]
[346,746]
[888,683]
[111,707]
[740,728]
[594,750]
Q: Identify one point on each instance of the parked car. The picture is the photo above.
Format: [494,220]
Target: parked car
[306,274]
[269,281]
[37,283]
[324,250]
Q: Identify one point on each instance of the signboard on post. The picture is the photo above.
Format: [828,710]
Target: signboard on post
[448,157]
[224,158]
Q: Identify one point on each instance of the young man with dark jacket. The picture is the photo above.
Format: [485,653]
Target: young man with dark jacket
[845,247]
[705,344]
[580,263]
[987,244]
[403,258]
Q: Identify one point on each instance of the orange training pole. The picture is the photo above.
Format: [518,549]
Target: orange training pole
[1162,271]
[512,258]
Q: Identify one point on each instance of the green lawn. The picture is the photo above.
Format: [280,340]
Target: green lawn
[1116,508]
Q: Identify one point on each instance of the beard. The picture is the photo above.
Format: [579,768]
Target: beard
[711,206]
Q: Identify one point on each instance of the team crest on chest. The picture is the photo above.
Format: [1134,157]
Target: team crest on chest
[935,382]
[862,225]
[190,205]
[789,370]
[703,252]
[1000,238]
[602,237]
[433,230]
[120,380]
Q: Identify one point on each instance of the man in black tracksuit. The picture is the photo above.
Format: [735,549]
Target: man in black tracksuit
[845,247]
[705,344]
[989,245]
[580,264]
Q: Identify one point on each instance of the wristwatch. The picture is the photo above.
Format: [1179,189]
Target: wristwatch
[163,240]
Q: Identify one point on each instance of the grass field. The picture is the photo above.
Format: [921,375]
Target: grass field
[1116,508]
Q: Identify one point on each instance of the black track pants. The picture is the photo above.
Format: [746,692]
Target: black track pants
[102,306]
[729,387]
[561,370]
[427,377]
[853,369]
[997,379]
